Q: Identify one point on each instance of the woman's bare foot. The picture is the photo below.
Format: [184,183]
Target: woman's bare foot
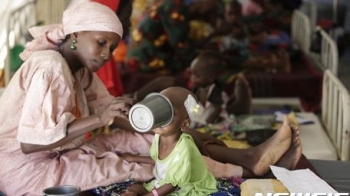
[290,159]
[269,152]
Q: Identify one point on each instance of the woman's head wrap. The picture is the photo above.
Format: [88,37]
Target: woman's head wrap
[89,16]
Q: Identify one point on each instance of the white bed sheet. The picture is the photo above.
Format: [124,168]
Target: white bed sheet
[315,141]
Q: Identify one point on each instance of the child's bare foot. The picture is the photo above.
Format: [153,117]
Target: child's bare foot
[290,159]
[269,152]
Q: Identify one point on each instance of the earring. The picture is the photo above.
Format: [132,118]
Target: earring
[72,46]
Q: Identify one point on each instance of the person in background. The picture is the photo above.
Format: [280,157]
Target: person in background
[279,13]
[268,51]
[253,8]
[230,38]
[160,43]
[205,80]
[205,72]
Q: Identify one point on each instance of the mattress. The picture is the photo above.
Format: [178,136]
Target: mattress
[315,142]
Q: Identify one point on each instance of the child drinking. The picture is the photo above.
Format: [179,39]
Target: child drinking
[179,167]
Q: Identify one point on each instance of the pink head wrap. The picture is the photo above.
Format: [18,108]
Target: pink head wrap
[89,16]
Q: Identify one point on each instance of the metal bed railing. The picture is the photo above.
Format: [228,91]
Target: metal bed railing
[301,31]
[336,113]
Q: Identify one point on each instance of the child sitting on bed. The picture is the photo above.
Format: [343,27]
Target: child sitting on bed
[205,72]
[205,80]
[179,166]
[230,34]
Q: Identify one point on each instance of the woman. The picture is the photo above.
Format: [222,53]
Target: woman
[54,99]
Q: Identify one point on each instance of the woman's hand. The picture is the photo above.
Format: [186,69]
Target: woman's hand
[119,107]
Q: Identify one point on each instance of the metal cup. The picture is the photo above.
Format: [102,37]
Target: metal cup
[154,111]
[66,190]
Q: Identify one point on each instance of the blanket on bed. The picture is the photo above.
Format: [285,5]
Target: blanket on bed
[226,187]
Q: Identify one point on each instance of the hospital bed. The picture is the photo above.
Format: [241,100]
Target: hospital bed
[301,88]
[335,120]
[328,137]
[336,114]
[327,58]
[301,31]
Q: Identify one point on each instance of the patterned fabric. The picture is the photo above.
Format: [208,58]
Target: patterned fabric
[253,128]
[276,40]
[113,189]
[225,186]
[160,41]
[228,187]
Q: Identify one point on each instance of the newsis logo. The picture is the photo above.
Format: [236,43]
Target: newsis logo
[302,194]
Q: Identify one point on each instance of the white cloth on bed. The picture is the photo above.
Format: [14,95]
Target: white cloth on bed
[314,138]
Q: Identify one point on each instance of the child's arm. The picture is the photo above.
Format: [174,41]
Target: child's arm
[136,158]
[163,190]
